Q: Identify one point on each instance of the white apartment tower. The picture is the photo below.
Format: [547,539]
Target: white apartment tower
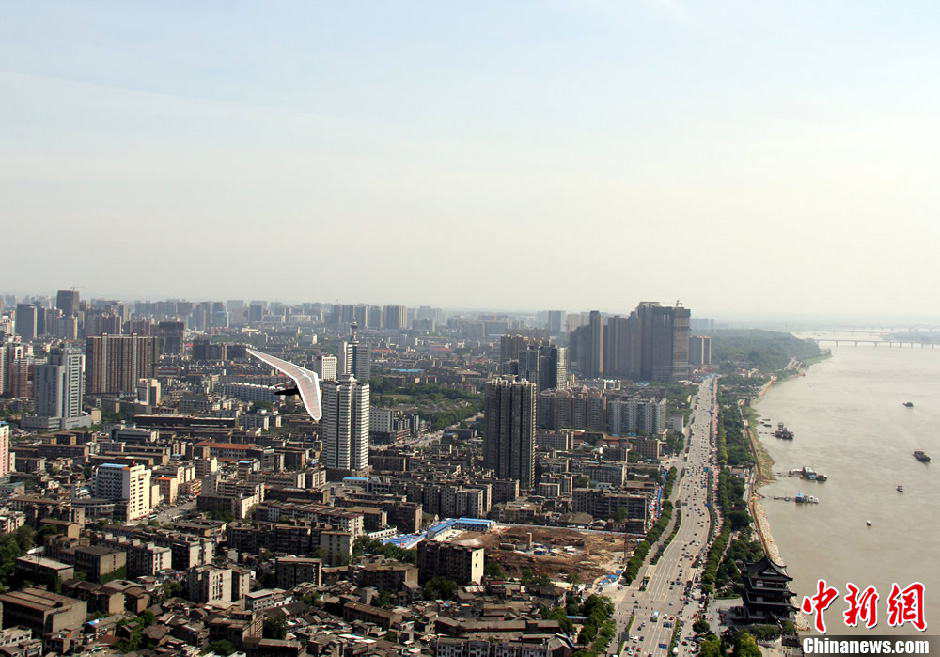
[325,366]
[130,483]
[355,357]
[344,427]
[5,465]
[60,384]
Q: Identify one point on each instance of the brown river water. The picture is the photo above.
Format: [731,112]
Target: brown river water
[849,423]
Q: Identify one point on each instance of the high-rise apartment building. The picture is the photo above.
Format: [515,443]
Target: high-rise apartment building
[636,416]
[587,344]
[458,562]
[68,301]
[344,426]
[66,327]
[428,313]
[512,345]
[10,350]
[18,380]
[114,363]
[47,320]
[325,365]
[700,350]
[125,483]
[617,354]
[395,317]
[170,333]
[595,362]
[553,367]
[556,322]
[149,391]
[652,344]
[255,311]
[59,389]
[5,467]
[662,342]
[27,321]
[355,357]
[545,365]
[510,416]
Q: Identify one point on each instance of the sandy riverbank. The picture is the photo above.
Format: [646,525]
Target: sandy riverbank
[764,475]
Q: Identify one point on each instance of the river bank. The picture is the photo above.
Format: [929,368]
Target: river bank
[764,461]
[763,473]
[848,422]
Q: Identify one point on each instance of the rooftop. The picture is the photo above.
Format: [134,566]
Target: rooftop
[44,561]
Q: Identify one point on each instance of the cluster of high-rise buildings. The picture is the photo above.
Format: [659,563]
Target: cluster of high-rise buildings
[650,344]
[433,423]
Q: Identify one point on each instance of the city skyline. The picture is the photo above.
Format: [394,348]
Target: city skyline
[777,320]
[546,328]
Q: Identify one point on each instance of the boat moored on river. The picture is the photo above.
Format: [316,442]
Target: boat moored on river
[808,473]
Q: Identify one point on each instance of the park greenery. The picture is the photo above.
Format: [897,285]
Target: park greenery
[440,406]
[675,530]
[380,388]
[442,419]
[440,588]
[675,441]
[670,479]
[529,578]
[643,547]
[733,444]
[275,627]
[715,554]
[131,631]
[222,647]
[12,546]
[734,542]
[597,627]
[492,569]
[742,548]
[737,644]
[768,351]
[364,545]
[676,634]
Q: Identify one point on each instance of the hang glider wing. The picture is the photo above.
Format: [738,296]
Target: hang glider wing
[308,383]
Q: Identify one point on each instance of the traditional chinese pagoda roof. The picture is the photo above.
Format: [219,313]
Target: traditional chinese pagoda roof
[760,568]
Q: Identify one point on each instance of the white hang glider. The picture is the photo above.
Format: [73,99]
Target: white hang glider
[306,381]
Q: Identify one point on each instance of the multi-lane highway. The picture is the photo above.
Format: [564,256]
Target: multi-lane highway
[666,595]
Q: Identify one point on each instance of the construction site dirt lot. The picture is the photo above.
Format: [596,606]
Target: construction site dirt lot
[557,552]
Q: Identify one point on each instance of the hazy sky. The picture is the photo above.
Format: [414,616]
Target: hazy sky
[744,157]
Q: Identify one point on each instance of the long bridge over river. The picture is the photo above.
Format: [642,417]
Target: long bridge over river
[895,343]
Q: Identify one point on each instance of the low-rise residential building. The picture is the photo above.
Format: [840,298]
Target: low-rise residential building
[42,611]
[291,571]
[462,563]
[40,570]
